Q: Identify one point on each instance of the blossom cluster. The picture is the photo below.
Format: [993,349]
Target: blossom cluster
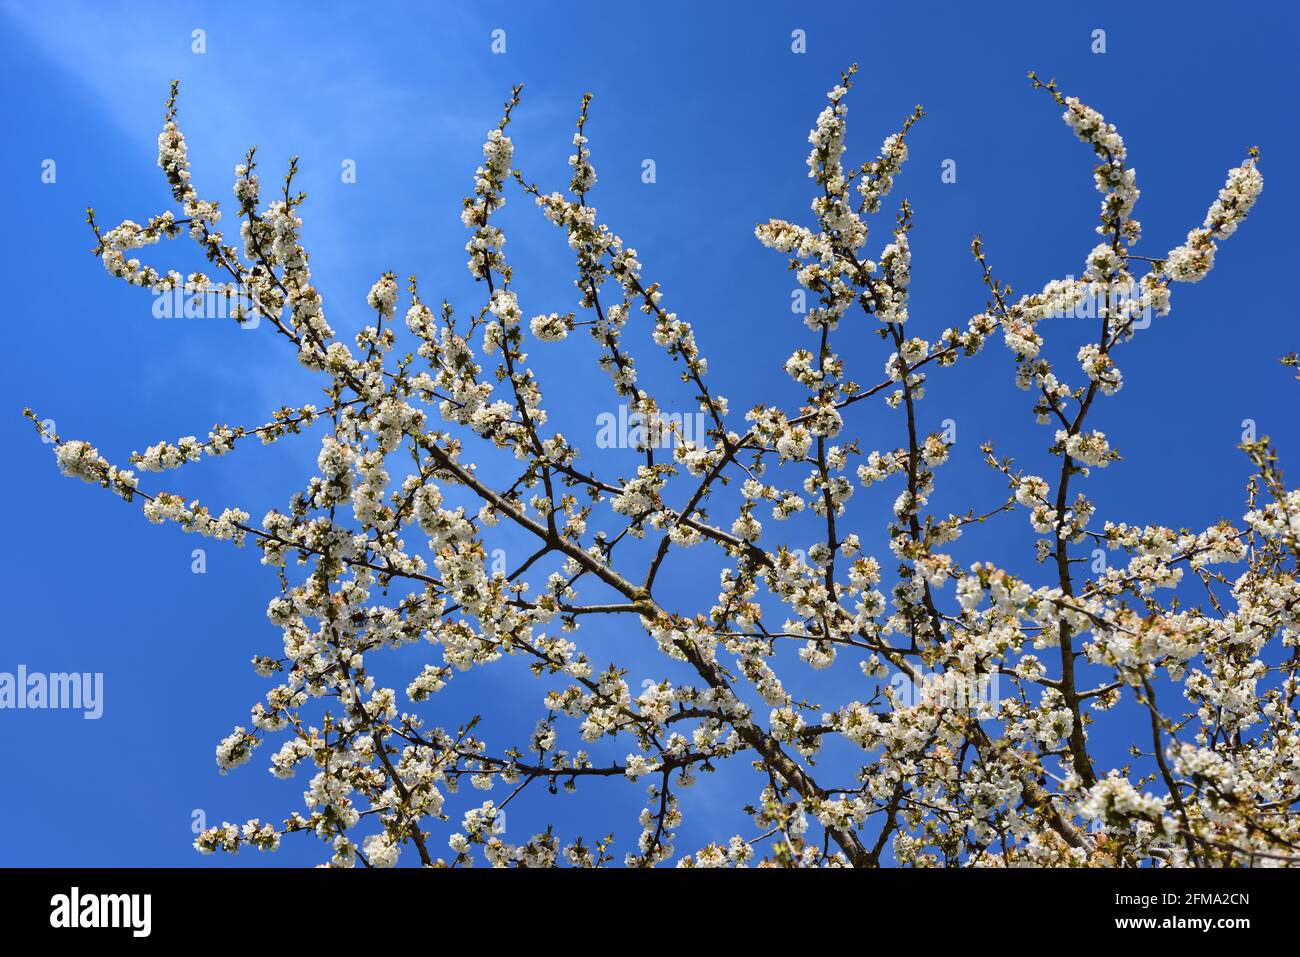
[973,689]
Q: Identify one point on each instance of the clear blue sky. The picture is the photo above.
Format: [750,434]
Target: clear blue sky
[718,100]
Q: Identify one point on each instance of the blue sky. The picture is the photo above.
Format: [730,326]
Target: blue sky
[718,100]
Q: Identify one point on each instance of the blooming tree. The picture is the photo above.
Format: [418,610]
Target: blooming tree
[979,693]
